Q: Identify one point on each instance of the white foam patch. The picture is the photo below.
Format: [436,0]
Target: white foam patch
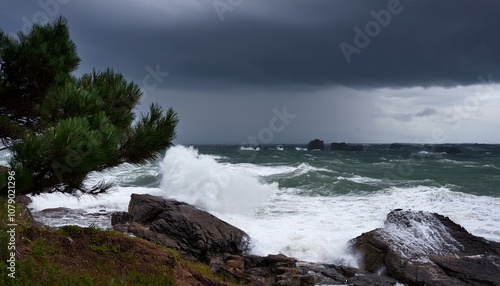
[116,199]
[304,168]
[5,156]
[361,180]
[264,171]
[200,180]
[259,170]
[318,228]
[243,148]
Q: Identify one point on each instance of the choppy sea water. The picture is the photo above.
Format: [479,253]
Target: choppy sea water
[305,204]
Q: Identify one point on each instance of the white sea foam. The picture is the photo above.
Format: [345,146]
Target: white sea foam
[259,170]
[361,180]
[264,171]
[243,148]
[319,228]
[5,156]
[84,206]
[200,180]
[304,168]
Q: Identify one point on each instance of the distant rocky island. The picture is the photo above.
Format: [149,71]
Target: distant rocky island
[318,144]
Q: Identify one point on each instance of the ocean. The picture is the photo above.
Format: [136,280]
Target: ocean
[304,204]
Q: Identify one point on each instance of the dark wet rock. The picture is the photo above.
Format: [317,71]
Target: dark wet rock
[395,146]
[24,211]
[316,144]
[120,218]
[283,270]
[344,147]
[330,274]
[421,248]
[120,221]
[195,233]
[262,270]
[4,170]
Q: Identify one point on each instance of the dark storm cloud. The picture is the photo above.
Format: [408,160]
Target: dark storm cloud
[275,43]
[343,67]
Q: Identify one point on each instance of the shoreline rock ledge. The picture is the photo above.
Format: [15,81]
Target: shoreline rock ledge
[197,234]
[201,236]
[422,248]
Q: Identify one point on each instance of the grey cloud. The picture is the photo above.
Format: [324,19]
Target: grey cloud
[403,117]
[226,76]
[277,43]
[426,112]
[409,116]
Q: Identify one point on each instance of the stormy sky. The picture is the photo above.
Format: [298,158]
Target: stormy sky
[288,71]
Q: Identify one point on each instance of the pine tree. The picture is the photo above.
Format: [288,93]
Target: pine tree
[59,128]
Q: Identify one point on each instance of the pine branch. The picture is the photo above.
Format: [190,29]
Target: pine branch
[152,134]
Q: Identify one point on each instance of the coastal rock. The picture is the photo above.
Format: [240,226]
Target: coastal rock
[195,233]
[316,144]
[330,274]
[4,170]
[259,270]
[422,248]
[344,147]
[120,221]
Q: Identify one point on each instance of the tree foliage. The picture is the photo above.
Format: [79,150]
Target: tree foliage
[59,127]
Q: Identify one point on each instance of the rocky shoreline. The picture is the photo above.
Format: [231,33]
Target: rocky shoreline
[416,248]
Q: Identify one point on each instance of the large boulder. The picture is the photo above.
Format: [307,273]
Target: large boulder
[422,248]
[195,233]
[316,144]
